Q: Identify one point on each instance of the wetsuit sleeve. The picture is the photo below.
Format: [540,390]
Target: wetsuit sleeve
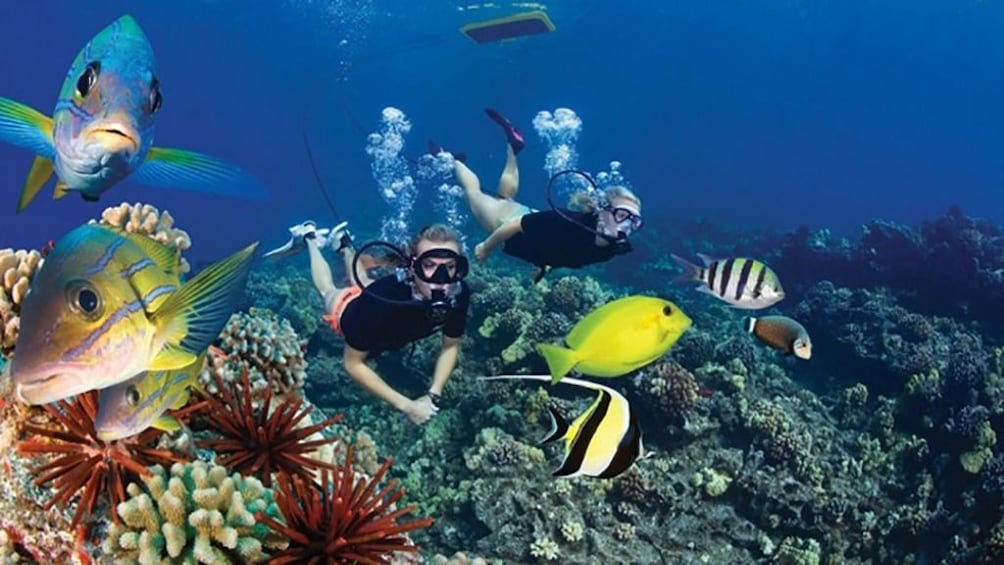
[458,318]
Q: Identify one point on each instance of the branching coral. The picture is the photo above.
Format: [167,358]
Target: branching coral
[263,440]
[195,513]
[86,467]
[16,270]
[342,519]
[265,345]
[147,220]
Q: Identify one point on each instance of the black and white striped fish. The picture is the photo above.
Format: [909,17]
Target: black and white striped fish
[743,283]
[604,441]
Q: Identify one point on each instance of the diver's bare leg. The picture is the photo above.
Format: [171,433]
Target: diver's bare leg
[509,181]
[320,272]
[487,209]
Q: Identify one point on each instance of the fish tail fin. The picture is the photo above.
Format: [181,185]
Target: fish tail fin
[26,127]
[691,272]
[195,315]
[560,360]
[559,426]
[188,170]
[38,175]
[749,323]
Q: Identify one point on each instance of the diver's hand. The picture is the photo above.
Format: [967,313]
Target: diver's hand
[481,251]
[420,410]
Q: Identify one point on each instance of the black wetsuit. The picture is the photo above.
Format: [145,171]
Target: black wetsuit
[548,240]
[372,325]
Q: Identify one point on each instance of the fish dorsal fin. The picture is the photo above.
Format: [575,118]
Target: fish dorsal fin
[191,318]
[164,257]
[586,326]
[38,175]
[559,427]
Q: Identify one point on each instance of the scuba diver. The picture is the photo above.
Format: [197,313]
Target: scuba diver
[561,237]
[426,293]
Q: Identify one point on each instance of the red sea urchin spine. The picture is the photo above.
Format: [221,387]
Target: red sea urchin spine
[341,520]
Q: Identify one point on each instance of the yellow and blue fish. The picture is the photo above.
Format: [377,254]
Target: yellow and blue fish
[603,442]
[102,128]
[109,305]
[131,407]
[617,338]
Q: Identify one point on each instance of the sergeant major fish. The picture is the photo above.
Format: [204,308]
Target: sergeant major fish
[132,406]
[108,305]
[603,442]
[743,283]
[102,128]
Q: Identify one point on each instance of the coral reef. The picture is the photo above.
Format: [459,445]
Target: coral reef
[16,271]
[196,513]
[147,220]
[263,345]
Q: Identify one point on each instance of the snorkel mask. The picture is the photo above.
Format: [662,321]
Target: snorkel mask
[628,220]
[443,277]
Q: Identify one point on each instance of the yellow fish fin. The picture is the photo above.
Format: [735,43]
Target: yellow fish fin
[166,423]
[191,318]
[60,191]
[560,360]
[41,170]
[171,357]
[167,259]
[597,320]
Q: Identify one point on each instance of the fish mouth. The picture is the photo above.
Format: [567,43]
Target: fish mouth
[115,137]
[50,387]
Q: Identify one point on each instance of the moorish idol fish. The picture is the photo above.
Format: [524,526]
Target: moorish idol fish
[603,442]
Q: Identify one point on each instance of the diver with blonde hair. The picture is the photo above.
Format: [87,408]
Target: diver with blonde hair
[424,295]
[593,230]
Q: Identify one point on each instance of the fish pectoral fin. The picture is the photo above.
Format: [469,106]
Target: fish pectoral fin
[560,360]
[166,423]
[171,357]
[26,127]
[61,190]
[188,170]
[193,317]
[38,175]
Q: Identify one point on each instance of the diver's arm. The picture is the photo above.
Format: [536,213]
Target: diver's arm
[500,235]
[445,363]
[354,361]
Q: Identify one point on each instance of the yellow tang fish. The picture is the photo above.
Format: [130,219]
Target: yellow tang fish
[617,338]
[603,442]
[108,305]
[130,407]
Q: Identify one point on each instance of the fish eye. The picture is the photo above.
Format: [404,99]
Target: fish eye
[156,99]
[132,395]
[86,81]
[667,311]
[84,300]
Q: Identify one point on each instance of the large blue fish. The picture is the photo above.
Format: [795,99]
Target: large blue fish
[101,131]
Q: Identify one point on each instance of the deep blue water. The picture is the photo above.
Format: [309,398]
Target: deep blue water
[768,114]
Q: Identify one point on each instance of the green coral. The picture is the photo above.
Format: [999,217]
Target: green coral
[195,514]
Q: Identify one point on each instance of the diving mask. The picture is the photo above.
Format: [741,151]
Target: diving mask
[626,218]
[440,266]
